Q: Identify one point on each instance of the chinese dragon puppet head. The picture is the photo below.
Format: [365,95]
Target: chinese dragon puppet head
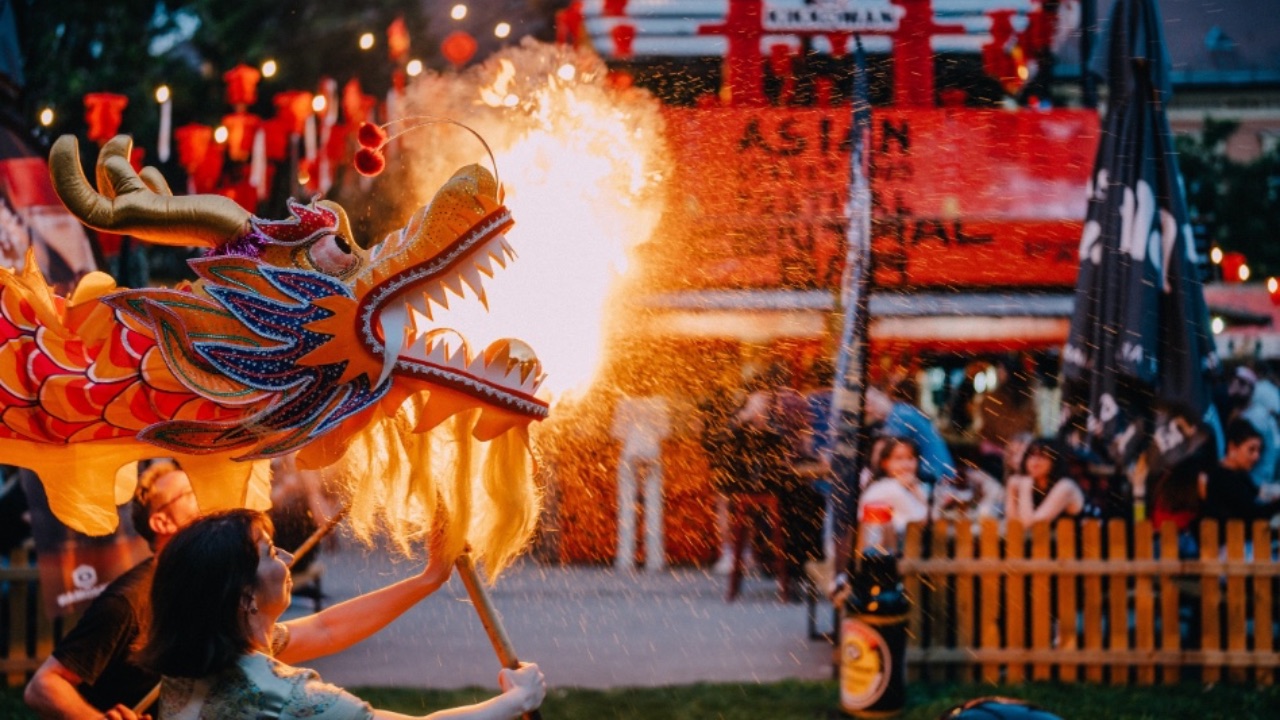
[292,338]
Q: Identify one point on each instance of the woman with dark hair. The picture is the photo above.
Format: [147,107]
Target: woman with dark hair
[1043,489]
[220,586]
[898,485]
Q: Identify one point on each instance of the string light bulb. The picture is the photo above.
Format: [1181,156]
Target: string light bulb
[269,68]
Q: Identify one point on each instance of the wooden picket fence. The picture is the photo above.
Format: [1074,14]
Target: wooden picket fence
[1094,601]
[27,631]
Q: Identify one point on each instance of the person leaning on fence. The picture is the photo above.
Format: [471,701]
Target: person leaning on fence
[1043,490]
[220,586]
[898,485]
[90,672]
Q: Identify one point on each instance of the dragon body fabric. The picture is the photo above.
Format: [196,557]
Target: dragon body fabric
[292,338]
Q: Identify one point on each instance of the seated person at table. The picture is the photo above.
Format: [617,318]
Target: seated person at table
[1043,490]
[220,586]
[898,486]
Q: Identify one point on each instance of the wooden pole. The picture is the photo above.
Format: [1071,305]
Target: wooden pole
[489,617]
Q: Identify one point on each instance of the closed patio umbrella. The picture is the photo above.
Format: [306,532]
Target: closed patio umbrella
[1140,342]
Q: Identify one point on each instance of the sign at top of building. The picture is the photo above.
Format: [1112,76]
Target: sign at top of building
[879,16]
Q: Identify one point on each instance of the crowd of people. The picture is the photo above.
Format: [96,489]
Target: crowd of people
[767,449]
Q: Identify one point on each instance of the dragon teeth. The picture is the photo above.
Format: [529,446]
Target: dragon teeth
[436,292]
[453,282]
[471,276]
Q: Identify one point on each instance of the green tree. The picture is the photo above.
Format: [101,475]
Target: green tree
[130,47]
[1237,203]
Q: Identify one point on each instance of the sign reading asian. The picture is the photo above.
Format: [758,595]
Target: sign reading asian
[961,198]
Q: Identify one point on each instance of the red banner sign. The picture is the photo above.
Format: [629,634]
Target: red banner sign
[961,197]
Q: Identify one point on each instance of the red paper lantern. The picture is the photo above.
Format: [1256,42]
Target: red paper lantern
[103,113]
[458,47]
[193,144]
[242,85]
[206,175]
[355,104]
[293,107]
[398,40]
[240,129]
[1234,267]
[277,132]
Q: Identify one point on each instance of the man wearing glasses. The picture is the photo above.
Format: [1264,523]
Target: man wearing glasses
[90,671]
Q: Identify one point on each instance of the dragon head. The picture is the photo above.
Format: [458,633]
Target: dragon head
[293,322]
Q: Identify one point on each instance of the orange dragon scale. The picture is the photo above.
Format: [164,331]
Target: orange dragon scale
[293,333]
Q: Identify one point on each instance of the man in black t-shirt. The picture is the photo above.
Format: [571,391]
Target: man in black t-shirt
[90,672]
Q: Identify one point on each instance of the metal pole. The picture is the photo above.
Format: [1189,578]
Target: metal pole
[848,429]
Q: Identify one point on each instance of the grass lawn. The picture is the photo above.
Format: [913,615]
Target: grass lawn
[809,700]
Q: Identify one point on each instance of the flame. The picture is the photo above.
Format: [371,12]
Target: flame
[582,167]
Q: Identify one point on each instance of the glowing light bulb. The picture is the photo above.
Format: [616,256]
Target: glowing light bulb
[366,41]
[318,103]
[413,68]
[220,134]
[567,72]
[1244,273]
[1272,285]
[46,117]
[1215,256]
[1217,325]
[162,94]
[501,30]
[269,68]
[458,11]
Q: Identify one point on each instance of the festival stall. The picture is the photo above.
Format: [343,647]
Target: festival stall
[976,219]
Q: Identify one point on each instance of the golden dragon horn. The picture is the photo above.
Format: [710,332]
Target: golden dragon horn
[141,206]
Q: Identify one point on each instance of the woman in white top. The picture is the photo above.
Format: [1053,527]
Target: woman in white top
[898,485]
[1042,490]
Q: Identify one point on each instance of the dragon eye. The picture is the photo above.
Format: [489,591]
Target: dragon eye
[333,255]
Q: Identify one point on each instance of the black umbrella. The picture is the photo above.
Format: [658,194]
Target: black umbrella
[1140,341]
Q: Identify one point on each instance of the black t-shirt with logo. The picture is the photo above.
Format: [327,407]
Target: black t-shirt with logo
[98,647]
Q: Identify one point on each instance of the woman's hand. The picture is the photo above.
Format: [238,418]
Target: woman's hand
[527,684]
[123,712]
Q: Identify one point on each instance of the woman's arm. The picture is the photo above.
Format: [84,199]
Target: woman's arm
[341,626]
[1018,499]
[1064,498]
[522,691]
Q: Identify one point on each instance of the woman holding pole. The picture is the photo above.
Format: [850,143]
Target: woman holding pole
[220,585]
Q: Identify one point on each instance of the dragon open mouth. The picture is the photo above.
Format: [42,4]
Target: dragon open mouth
[449,247]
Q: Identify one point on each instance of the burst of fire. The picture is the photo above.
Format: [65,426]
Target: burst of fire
[582,167]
